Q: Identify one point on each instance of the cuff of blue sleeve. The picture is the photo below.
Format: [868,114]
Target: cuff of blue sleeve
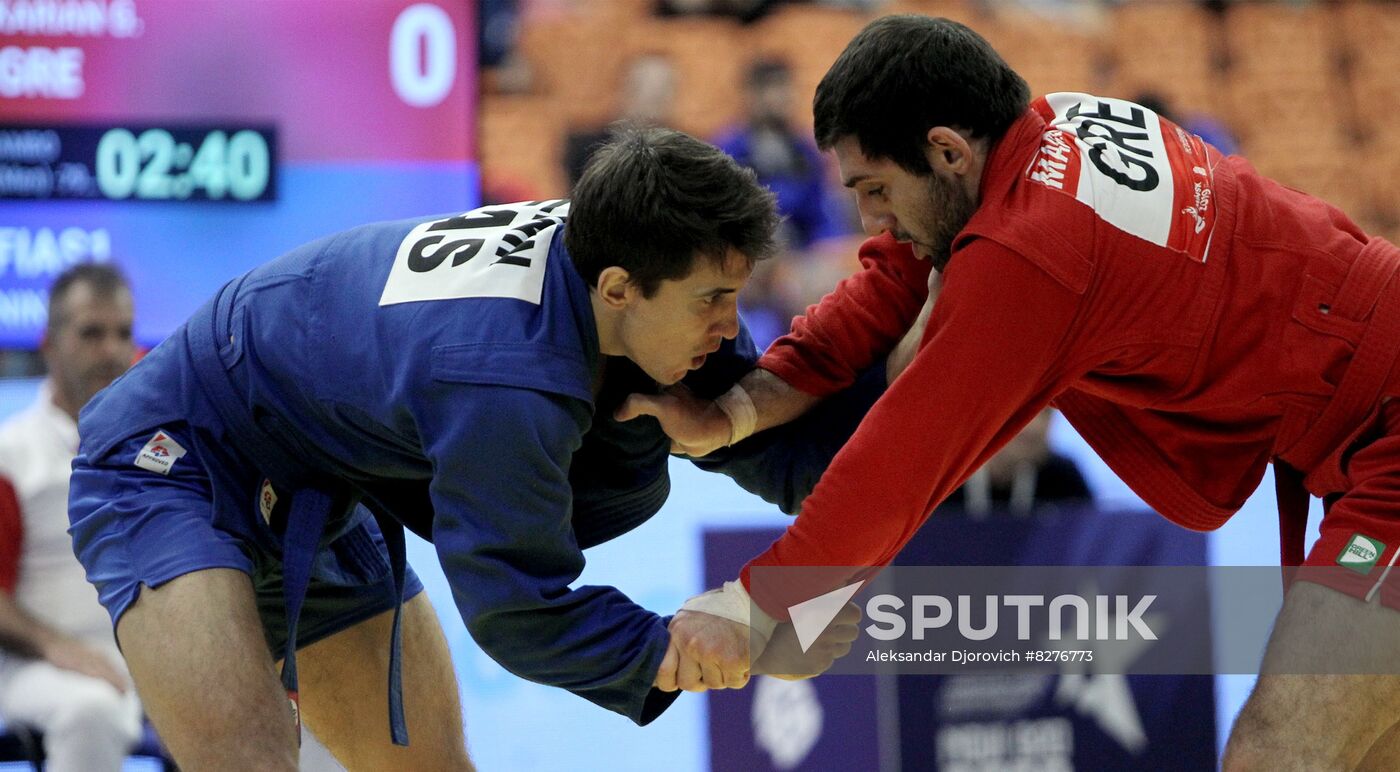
[656,703]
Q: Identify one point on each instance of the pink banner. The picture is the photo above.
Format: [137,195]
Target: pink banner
[341,80]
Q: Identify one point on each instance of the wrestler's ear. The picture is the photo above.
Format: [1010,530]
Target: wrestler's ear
[948,150]
[615,287]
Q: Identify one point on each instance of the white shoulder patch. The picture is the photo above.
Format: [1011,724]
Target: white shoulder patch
[1139,172]
[492,252]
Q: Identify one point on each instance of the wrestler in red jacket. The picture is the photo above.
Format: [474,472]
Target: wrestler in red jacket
[1192,319]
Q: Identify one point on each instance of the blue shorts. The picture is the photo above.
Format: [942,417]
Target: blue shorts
[132,526]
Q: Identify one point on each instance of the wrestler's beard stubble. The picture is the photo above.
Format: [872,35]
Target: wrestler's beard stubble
[946,210]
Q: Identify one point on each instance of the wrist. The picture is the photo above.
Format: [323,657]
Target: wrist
[737,405]
[732,602]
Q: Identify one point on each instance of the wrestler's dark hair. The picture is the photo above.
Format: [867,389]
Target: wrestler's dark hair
[903,75]
[652,200]
[105,280]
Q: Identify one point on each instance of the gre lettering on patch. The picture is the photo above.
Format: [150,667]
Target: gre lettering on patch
[1361,554]
[159,453]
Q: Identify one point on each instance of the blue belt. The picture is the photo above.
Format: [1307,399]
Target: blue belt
[314,496]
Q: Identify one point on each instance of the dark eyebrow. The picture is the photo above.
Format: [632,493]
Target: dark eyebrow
[851,182]
[716,291]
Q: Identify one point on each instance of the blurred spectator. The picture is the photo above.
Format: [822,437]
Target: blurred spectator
[785,159]
[499,21]
[788,163]
[503,69]
[60,671]
[782,289]
[1207,128]
[1023,477]
[648,98]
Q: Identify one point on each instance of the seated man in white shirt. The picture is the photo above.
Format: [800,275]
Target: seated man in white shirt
[60,671]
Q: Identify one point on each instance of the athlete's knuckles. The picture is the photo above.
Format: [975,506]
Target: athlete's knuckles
[845,633]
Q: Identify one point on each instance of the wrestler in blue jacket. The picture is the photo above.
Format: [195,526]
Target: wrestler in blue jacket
[450,389]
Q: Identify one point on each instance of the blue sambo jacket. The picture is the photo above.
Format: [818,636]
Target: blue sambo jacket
[444,368]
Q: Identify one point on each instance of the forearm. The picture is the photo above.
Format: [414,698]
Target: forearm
[698,427]
[775,401]
[782,465]
[856,324]
[21,633]
[1004,329]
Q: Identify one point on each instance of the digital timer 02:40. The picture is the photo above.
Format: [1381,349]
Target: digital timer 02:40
[153,165]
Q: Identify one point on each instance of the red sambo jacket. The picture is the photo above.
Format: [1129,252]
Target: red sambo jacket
[1192,319]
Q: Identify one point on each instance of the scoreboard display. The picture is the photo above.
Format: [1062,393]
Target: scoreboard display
[140,163]
[190,140]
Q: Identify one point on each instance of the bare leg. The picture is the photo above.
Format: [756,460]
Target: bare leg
[1298,719]
[344,694]
[197,655]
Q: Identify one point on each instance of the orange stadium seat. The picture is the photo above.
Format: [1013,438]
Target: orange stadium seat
[1379,167]
[1268,111]
[623,11]
[520,141]
[1052,55]
[576,63]
[1169,48]
[1294,44]
[1329,175]
[1376,99]
[1371,41]
[1371,33]
[966,11]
